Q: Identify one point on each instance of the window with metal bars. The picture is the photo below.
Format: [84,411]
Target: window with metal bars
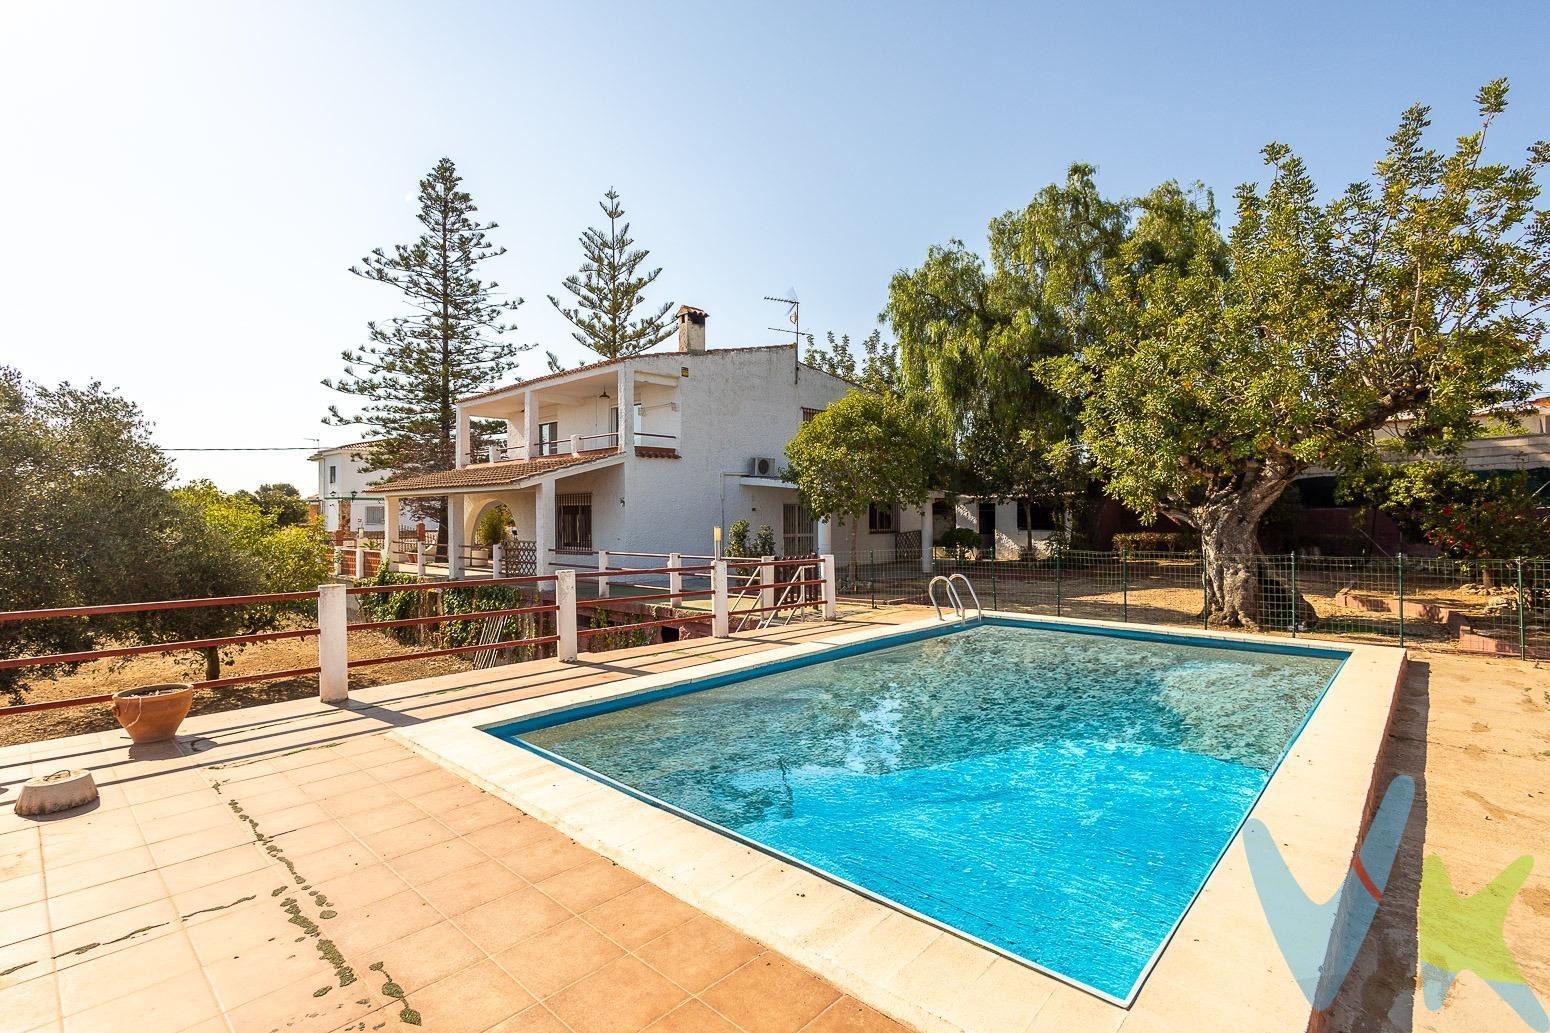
[573,521]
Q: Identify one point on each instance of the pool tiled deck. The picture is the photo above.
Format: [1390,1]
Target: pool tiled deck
[299,870]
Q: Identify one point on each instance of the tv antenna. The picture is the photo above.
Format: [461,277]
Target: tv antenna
[793,315]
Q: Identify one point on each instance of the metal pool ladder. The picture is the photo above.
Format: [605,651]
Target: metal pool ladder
[953,598]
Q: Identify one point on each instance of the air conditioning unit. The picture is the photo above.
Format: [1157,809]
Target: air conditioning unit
[761,466]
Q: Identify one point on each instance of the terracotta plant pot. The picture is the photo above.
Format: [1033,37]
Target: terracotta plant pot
[152,713]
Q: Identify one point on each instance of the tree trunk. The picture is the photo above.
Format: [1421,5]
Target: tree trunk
[1242,589]
[212,663]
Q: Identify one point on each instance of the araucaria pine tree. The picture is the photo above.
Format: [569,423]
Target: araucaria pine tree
[609,287]
[449,345]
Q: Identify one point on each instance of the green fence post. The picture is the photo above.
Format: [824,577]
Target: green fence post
[1057,583]
[1400,568]
[1205,595]
[1294,593]
[871,562]
[995,599]
[1522,640]
[1124,586]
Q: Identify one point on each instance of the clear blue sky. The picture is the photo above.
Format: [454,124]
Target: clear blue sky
[185,184]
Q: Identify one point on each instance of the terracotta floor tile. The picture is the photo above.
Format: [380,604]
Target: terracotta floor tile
[588,885]
[20,854]
[546,857]
[171,1004]
[30,1004]
[110,977]
[535,1019]
[74,849]
[333,861]
[417,787]
[298,1008]
[467,888]
[263,968]
[330,788]
[69,909]
[228,934]
[470,1001]
[405,839]
[363,929]
[500,923]
[327,767]
[472,817]
[447,798]
[507,838]
[358,800]
[406,766]
[243,859]
[26,959]
[199,844]
[624,996]
[258,806]
[423,957]
[24,889]
[691,1017]
[699,952]
[316,836]
[848,1015]
[432,862]
[381,818]
[771,995]
[361,887]
[293,818]
[199,905]
[639,916]
[551,960]
[212,815]
[112,933]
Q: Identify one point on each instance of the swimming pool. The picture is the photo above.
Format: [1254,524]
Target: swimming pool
[1057,793]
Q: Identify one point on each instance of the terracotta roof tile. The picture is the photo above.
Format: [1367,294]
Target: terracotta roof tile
[656,452]
[479,475]
[611,362]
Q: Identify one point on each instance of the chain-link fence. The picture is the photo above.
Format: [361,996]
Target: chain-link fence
[1487,607]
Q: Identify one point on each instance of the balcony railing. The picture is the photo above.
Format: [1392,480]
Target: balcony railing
[578,444]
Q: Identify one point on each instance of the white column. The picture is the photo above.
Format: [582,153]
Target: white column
[464,433]
[333,644]
[565,619]
[675,580]
[720,620]
[626,393]
[454,537]
[530,424]
[575,444]
[493,453]
[419,557]
[831,603]
[543,525]
[926,565]
[766,581]
[360,557]
[602,582]
[497,560]
[822,533]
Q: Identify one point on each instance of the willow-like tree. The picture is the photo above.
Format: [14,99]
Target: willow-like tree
[608,289]
[970,334]
[449,344]
[1222,376]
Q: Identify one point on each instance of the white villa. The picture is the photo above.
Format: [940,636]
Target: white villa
[649,454]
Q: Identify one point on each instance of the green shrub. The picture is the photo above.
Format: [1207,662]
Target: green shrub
[492,526]
[764,541]
[1132,542]
[737,539]
[959,538]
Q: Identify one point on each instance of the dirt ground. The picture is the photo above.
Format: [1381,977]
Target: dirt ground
[1475,735]
[104,676]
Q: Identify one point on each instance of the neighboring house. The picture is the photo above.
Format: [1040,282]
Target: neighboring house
[347,497]
[649,453]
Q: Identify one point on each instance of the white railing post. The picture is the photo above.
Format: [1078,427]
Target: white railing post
[565,619]
[766,581]
[675,580]
[720,620]
[360,559]
[493,454]
[333,644]
[575,445]
[497,560]
[602,582]
[831,599]
[419,557]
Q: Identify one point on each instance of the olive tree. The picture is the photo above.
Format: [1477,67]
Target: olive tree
[1221,377]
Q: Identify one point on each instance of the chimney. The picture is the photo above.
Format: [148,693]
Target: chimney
[691,329]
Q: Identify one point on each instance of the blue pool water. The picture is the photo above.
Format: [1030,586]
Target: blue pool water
[1059,795]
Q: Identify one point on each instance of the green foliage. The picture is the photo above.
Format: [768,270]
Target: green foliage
[957,539]
[449,345]
[970,336]
[1133,542]
[764,541]
[491,529]
[1225,373]
[1465,514]
[608,289]
[876,370]
[280,501]
[865,448]
[737,539]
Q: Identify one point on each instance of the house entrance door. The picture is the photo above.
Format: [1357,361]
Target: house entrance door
[797,538]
